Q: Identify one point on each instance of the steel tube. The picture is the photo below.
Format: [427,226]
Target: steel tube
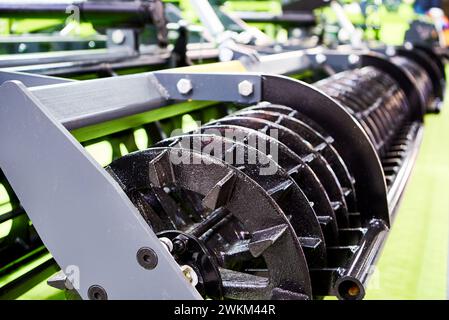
[351,285]
[103,13]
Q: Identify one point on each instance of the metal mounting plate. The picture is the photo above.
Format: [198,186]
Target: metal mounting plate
[82,215]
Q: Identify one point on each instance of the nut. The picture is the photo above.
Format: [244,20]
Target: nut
[118,37]
[184,86]
[246,88]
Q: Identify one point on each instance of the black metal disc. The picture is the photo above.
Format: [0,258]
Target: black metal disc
[272,178]
[303,149]
[319,144]
[270,237]
[298,170]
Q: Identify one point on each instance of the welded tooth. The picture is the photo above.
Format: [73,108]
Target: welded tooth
[282,294]
[329,140]
[147,202]
[160,170]
[238,284]
[295,169]
[263,239]
[395,154]
[346,191]
[171,209]
[402,147]
[392,162]
[336,205]
[320,147]
[239,251]
[309,243]
[219,195]
[279,190]
[324,220]
[391,170]
[308,158]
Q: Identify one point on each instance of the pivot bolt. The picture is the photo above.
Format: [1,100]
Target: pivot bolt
[167,243]
[179,246]
[147,258]
[246,88]
[190,274]
[184,86]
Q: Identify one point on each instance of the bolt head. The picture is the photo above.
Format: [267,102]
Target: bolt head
[97,292]
[184,86]
[225,54]
[147,258]
[320,58]
[353,59]
[118,37]
[391,51]
[246,88]
[167,243]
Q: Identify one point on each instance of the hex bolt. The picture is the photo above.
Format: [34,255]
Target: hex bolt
[353,59]
[320,58]
[147,258]
[408,45]
[391,51]
[184,86]
[97,292]
[179,246]
[118,37]
[246,88]
[225,54]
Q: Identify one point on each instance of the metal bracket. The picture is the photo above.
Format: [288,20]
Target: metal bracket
[82,215]
[211,86]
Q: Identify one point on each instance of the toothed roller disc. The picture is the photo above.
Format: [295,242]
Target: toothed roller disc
[303,149]
[273,179]
[297,169]
[252,258]
[319,144]
[330,153]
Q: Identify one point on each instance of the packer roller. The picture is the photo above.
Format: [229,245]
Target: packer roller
[289,196]
[312,193]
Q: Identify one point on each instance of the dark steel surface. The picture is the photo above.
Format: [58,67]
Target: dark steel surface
[350,140]
[279,253]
